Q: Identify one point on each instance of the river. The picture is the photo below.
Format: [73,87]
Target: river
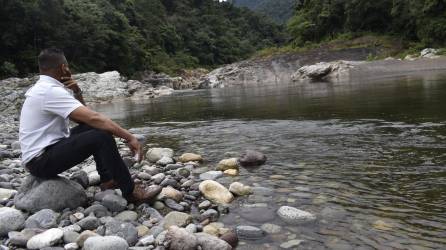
[367,158]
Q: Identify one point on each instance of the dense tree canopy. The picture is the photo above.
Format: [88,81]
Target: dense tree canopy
[279,10]
[419,20]
[130,35]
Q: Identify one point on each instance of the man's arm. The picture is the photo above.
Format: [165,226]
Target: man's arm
[99,121]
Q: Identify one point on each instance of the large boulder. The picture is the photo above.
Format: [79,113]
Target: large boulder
[10,220]
[251,158]
[215,192]
[156,154]
[56,194]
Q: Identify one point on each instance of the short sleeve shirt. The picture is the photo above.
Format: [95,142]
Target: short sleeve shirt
[44,117]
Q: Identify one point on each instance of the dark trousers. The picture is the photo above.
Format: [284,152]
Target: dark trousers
[83,142]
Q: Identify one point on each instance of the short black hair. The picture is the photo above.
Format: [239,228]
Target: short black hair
[51,58]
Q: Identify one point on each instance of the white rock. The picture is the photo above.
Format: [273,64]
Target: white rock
[94,178]
[45,239]
[6,194]
[155,154]
[293,215]
[71,246]
[105,243]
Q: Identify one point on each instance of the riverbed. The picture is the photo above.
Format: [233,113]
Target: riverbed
[367,158]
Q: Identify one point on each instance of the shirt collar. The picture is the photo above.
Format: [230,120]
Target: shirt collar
[49,79]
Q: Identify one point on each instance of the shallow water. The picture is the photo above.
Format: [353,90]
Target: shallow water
[368,158]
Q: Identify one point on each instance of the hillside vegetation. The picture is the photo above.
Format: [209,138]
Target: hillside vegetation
[279,10]
[130,35]
[421,21]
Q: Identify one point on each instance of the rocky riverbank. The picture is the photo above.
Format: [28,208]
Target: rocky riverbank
[337,66]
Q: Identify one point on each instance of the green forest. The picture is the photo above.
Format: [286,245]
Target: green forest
[278,10]
[422,21]
[169,35]
[130,35]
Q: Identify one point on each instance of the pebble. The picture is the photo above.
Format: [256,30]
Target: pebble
[127,216]
[89,223]
[179,219]
[291,244]
[271,228]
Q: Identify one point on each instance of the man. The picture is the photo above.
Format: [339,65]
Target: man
[49,147]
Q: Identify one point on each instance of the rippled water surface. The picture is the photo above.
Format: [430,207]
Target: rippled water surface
[368,158]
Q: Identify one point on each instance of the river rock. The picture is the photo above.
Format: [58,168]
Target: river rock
[6,194]
[98,210]
[251,158]
[46,239]
[231,172]
[84,236]
[187,157]
[10,220]
[249,232]
[56,194]
[21,238]
[181,239]
[291,244]
[71,246]
[271,228]
[211,175]
[175,218]
[239,189]
[165,161]
[231,238]
[209,242]
[105,243]
[225,164]
[89,223]
[124,230]
[127,216]
[45,218]
[215,192]
[114,203]
[429,53]
[174,205]
[155,154]
[293,215]
[170,192]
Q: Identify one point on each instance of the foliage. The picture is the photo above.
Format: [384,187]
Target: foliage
[279,10]
[415,20]
[131,35]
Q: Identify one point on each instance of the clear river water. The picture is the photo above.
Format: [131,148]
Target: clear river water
[367,158]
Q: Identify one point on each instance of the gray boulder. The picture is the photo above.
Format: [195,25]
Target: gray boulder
[105,243]
[251,158]
[10,220]
[45,218]
[57,194]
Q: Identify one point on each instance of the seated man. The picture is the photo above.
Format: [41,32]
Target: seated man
[49,147]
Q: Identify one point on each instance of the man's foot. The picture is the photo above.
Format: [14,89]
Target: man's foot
[111,184]
[143,194]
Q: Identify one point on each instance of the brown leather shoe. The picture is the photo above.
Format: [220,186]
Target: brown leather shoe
[143,194]
[111,184]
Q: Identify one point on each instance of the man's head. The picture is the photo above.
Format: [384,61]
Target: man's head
[52,62]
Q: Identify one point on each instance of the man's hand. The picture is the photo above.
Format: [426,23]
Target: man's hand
[71,84]
[136,148]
